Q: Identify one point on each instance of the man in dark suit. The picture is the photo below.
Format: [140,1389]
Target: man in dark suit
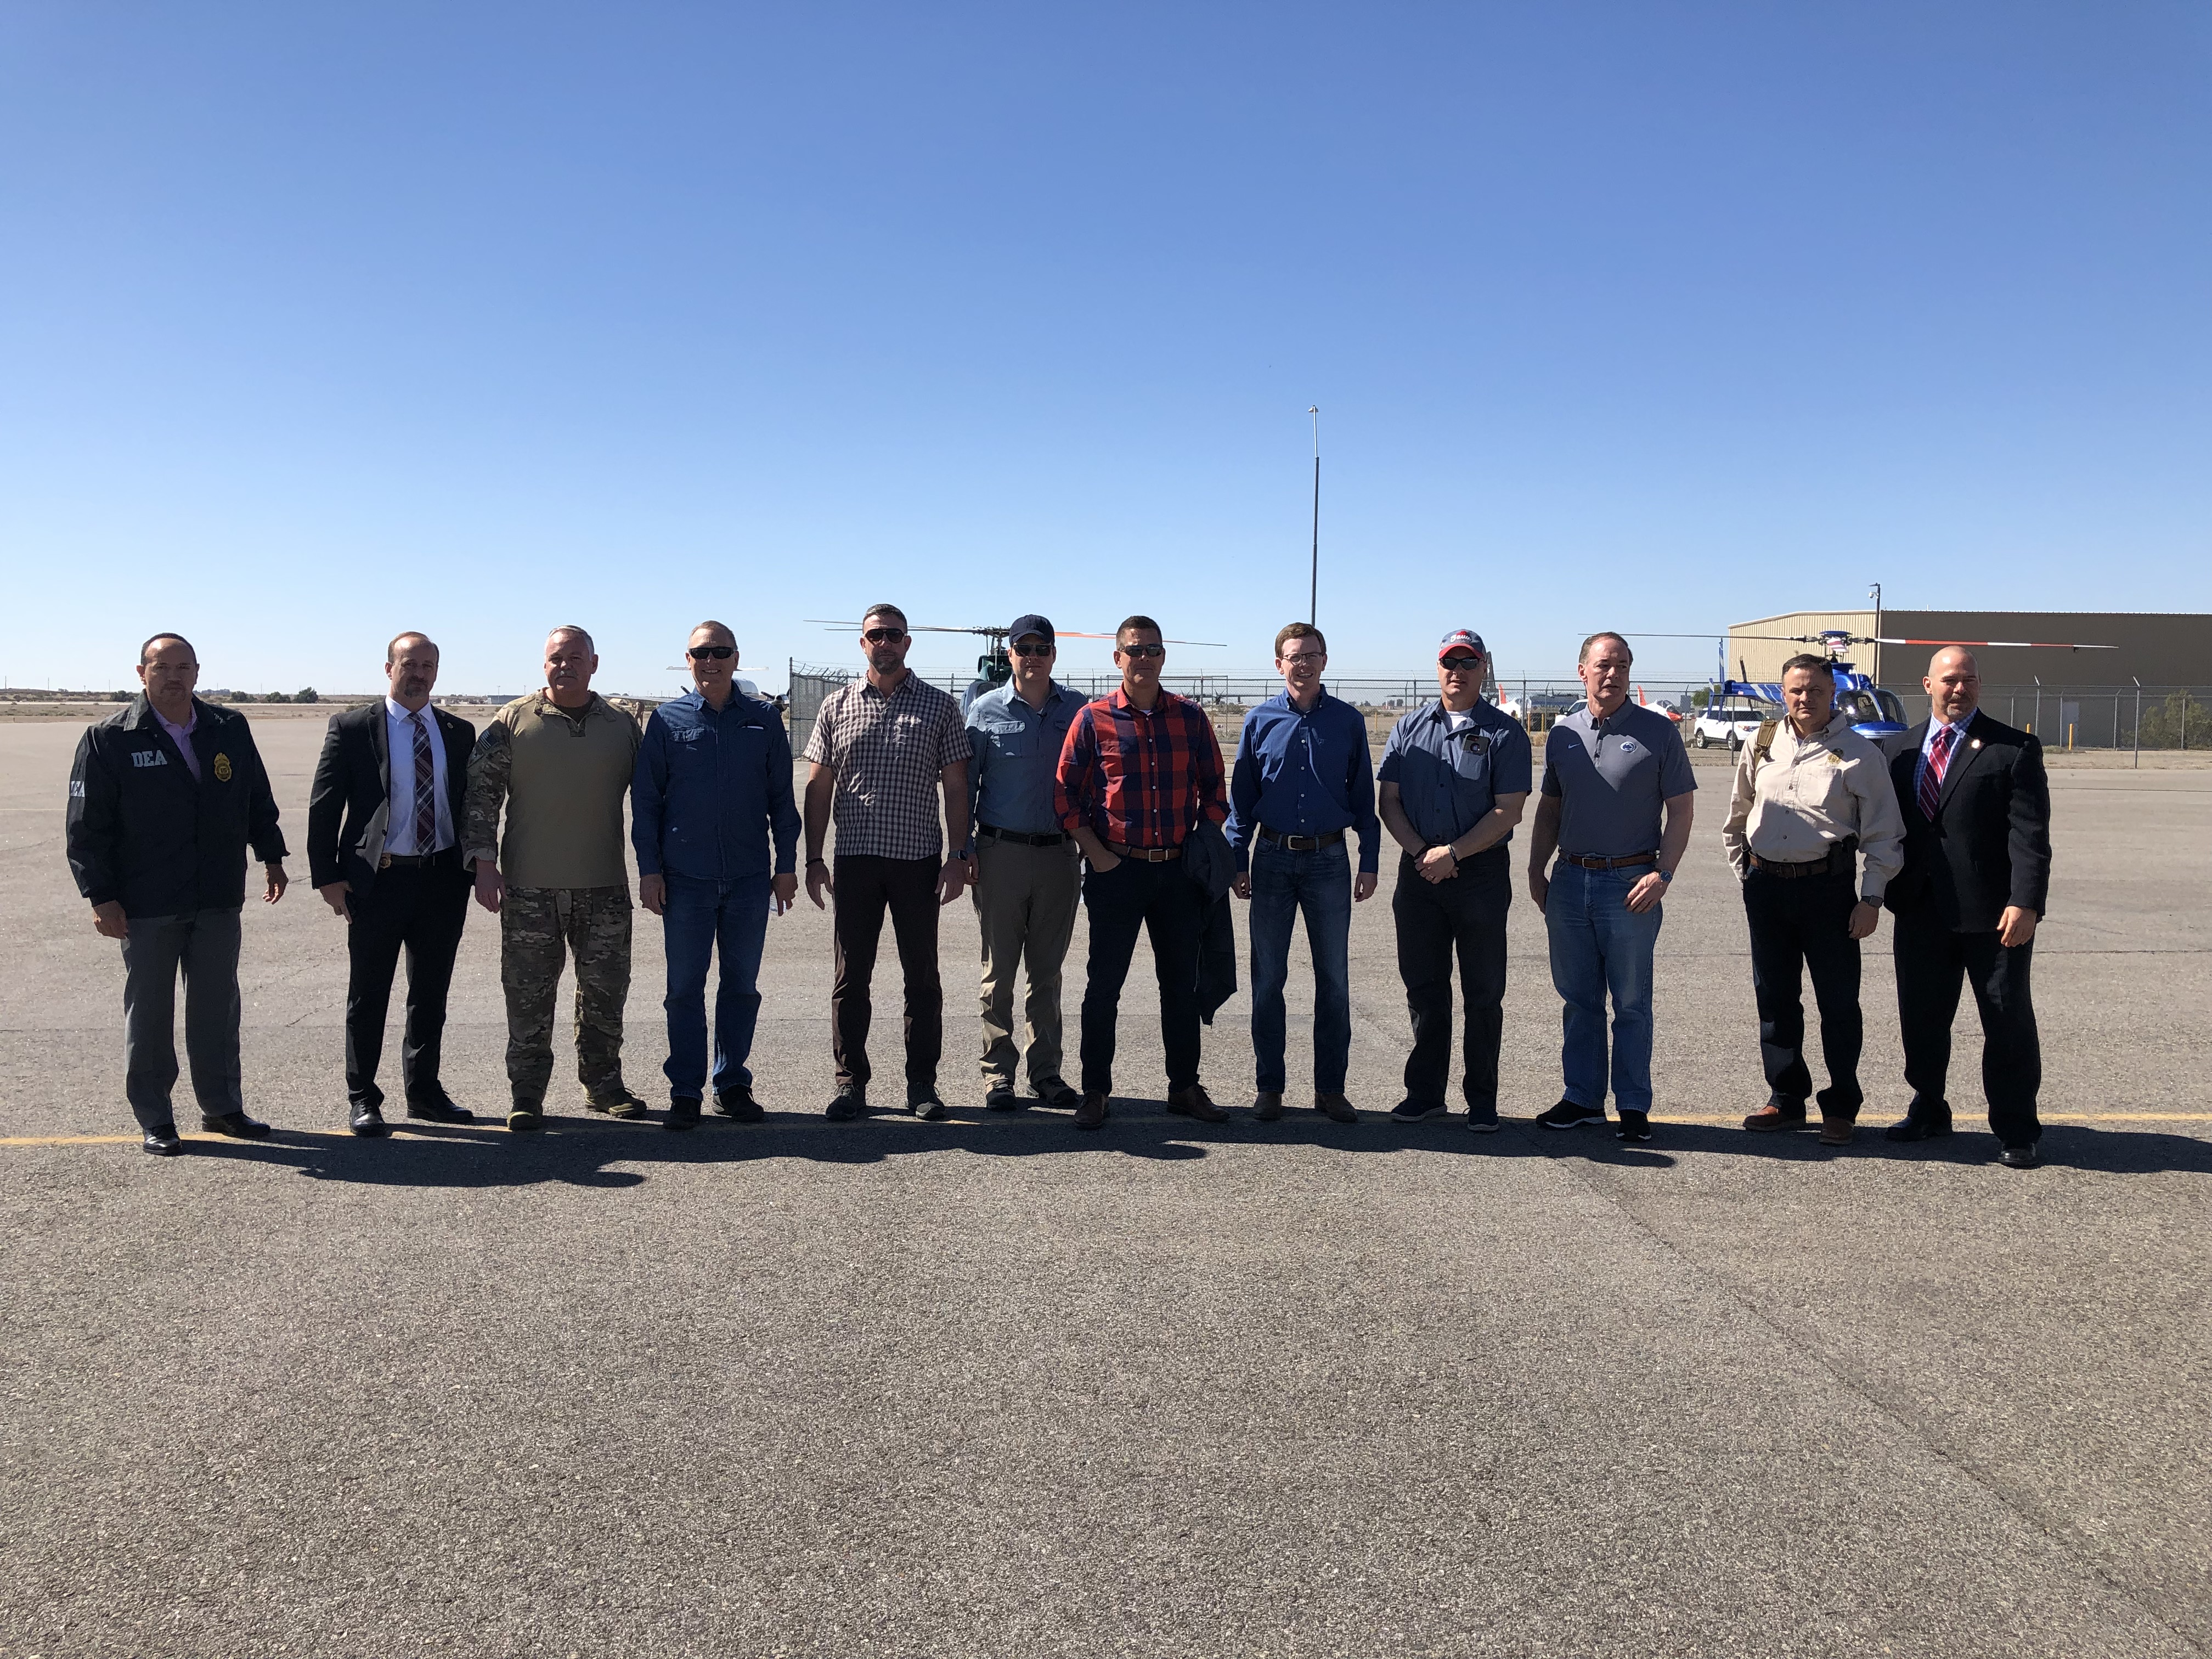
[1977,868]
[384,848]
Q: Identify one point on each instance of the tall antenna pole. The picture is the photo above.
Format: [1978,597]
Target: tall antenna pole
[1313,592]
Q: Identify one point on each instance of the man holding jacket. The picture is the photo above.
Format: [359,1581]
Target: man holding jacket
[711,791]
[165,798]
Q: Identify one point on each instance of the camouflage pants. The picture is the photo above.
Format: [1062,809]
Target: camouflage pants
[537,926]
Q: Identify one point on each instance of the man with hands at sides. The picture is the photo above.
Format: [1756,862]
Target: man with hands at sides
[710,793]
[165,797]
[1455,777]
[1300,780]
[1616,805]
[1810,793]
[883,749]
[385,818]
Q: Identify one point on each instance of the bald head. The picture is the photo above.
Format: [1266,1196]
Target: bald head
[1954,684]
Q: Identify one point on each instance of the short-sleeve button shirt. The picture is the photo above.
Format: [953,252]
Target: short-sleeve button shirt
[1450,771]
[1611,778]
[887,749]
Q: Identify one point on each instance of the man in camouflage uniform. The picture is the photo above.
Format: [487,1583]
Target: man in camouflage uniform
[561,761]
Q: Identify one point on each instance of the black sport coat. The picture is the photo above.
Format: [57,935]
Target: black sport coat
[1990,843]
[353,781]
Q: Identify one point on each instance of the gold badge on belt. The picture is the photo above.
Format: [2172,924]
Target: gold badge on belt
[222,769]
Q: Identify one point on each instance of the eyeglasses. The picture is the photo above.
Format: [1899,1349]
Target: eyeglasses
[884,635]
[1038,649]
[1461,664]
[1141,652]
[719,652]
[1291,659]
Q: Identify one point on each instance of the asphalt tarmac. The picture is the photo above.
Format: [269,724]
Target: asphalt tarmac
[991,1387]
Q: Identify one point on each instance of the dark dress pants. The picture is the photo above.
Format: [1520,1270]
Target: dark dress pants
[1437,921]
[866,888]
[1799,924]
[1931,961]
[1162,900]
[420,909]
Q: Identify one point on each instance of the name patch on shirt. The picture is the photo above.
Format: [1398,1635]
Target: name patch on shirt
[149,758]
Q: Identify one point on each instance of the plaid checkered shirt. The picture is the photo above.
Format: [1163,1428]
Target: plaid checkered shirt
[887,749]
[1140,778]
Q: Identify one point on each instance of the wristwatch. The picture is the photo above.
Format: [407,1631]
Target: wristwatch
[1665,875]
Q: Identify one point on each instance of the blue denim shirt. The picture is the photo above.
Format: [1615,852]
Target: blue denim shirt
[1448,782]
[1303,774]
[1017,750]
[710,789]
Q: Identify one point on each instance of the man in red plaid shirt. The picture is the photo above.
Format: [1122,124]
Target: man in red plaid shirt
[1137,770]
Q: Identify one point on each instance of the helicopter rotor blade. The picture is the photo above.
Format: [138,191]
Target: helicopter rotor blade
[2002,645]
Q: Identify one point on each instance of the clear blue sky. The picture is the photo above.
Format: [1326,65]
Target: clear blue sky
[320,321]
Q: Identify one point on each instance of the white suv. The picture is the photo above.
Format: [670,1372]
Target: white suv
[1735,725]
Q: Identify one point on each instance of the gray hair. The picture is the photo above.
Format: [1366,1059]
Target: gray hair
[582,634]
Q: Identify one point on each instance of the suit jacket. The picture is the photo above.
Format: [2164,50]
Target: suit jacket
[349,807]
[1988,845]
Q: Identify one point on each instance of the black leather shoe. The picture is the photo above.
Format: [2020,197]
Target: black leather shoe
[1091,1113]
[1194,1101]
[1055,1092]
[439,1110]
[738,1103]
[850,1103]
[1002,1099]
[161,1141]
[236,1125]
[368,1121]
[682,1115]
[1918,1129]
[2020,1158]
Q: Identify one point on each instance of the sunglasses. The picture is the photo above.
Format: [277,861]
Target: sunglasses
[719,652]
[1141,652]
[1462,665]
[884,635]
[1032,650]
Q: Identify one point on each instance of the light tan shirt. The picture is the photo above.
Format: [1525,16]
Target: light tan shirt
[1794,803]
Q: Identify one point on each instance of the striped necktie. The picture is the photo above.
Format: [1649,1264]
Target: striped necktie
[426,791]
[1931,775]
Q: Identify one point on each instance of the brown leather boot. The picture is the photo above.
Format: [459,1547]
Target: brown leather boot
[1774,1117]
[1267,1105]
[1837,1131]
[1194,1101]
[1092,1113]
[1336,1108]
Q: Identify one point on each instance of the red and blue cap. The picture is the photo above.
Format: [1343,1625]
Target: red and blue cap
[1461,639]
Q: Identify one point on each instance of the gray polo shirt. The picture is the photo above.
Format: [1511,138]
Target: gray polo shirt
[1610,778]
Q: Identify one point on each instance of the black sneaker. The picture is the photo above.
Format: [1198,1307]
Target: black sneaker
[1416,1111]
[162,1141]
[1634,1125]
[682,1115]
[1002,1099]
[1568,1115]
[852,1100]
[1483,1123]
[736,1103]
[1055,1091]
[925,1105]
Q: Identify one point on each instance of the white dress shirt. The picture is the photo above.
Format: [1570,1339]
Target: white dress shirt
[399,749]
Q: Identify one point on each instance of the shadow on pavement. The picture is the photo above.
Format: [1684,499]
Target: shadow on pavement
[583,1152]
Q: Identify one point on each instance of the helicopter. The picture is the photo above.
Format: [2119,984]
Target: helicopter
[991,668]
[1875,714]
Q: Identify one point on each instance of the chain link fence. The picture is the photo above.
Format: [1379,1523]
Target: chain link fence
[2076,717]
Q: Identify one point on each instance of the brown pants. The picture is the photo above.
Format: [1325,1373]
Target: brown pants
[865,887]
[1026,898]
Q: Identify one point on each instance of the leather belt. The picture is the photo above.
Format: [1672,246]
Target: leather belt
[1819,866]
[1625,863]
[1144,854]
[411,860]
[1058,838]
[1301,843]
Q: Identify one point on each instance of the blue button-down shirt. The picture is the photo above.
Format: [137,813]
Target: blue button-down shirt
[711,787]
[1304,773]
[1449,773]
[1017,750]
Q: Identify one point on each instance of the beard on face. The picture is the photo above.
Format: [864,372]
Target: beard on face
[883,660]
[413,686]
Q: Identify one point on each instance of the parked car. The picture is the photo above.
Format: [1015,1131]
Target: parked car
[1733,724]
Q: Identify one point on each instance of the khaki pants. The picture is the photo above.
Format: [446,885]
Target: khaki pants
[1026,898]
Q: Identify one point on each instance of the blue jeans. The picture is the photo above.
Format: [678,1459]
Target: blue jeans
[701,917]
[1319,883]
[1599,945]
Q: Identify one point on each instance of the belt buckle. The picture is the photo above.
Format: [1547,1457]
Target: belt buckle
[384,863]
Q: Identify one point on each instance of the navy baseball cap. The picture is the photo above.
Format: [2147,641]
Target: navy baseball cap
[1461,639]
[1025,626]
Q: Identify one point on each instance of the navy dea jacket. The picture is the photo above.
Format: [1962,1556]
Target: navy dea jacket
[709,790]
[140,830]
